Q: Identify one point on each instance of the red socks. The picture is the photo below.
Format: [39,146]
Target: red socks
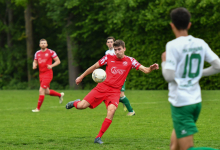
[54,93]
[40,101]
[75,104]
[107,122]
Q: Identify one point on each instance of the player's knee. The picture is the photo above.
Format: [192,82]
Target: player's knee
[41,91]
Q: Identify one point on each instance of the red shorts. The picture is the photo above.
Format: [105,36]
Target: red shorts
[45,80]
[94,98]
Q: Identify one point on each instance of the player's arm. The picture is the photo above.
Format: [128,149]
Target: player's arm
[213,69]
[168,74]
[35,64]
[88,71]
[56,62]
[148,69]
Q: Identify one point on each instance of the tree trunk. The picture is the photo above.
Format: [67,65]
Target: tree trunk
[29,39]
[10,23]
[72,66]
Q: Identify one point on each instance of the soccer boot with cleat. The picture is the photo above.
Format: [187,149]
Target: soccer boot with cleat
[35,110]
[131,113]
[124,107]
[61,97]
[98,140]
[70,104]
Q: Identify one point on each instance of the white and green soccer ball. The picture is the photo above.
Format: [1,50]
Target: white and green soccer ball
[99,75]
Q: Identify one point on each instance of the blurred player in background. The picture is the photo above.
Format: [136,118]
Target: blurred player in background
[117,68]
[123,99]
[43,59]
[182,67]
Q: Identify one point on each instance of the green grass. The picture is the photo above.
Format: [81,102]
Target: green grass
[54,127]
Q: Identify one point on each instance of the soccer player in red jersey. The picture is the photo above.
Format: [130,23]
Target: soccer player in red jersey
[43,58]
[117,68]
[123,99]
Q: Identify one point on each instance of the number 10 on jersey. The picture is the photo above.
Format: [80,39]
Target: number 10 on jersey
[189,62]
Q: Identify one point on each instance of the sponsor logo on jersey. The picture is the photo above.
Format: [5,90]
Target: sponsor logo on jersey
[41,60]
[112,61]
[125,63]
[115,70]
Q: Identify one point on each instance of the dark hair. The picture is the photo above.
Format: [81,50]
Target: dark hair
[42,40]
[118,43]
[180,18]
[110,37]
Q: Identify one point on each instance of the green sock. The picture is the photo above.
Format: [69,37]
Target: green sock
[201,148]
[125,101]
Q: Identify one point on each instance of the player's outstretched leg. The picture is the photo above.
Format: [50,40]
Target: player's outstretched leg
[98,140]
[54,93]
[70,104]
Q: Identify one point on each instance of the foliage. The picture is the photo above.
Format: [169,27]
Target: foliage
[143,25]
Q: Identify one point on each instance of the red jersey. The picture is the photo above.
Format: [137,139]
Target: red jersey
[116,71]
[45,58]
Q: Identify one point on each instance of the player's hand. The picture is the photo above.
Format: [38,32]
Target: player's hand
[163,56]
[34,66]
[154,67]
[78,80]
[49,66]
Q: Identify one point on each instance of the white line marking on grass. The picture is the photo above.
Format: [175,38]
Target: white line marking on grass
[31,108]
[157,102]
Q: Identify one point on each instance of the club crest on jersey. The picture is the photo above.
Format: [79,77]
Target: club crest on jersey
[125,63]
[115,70]
[46,54]
[38,54]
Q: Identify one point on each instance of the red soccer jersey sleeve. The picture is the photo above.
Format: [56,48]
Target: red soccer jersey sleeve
[117,69]
[44,58]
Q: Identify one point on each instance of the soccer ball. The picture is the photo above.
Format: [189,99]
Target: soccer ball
[99,75]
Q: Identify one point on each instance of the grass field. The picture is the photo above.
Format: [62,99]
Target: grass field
[54,127]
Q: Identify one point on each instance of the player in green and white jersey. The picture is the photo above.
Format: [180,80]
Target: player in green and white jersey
[123,98]
[182,67]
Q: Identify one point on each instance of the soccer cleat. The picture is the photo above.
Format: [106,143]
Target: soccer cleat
[98,140]
[70,104]
[125,108]
[35,110]
[61,97]
[131,113]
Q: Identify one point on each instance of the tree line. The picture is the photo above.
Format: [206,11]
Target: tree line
[77,31]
